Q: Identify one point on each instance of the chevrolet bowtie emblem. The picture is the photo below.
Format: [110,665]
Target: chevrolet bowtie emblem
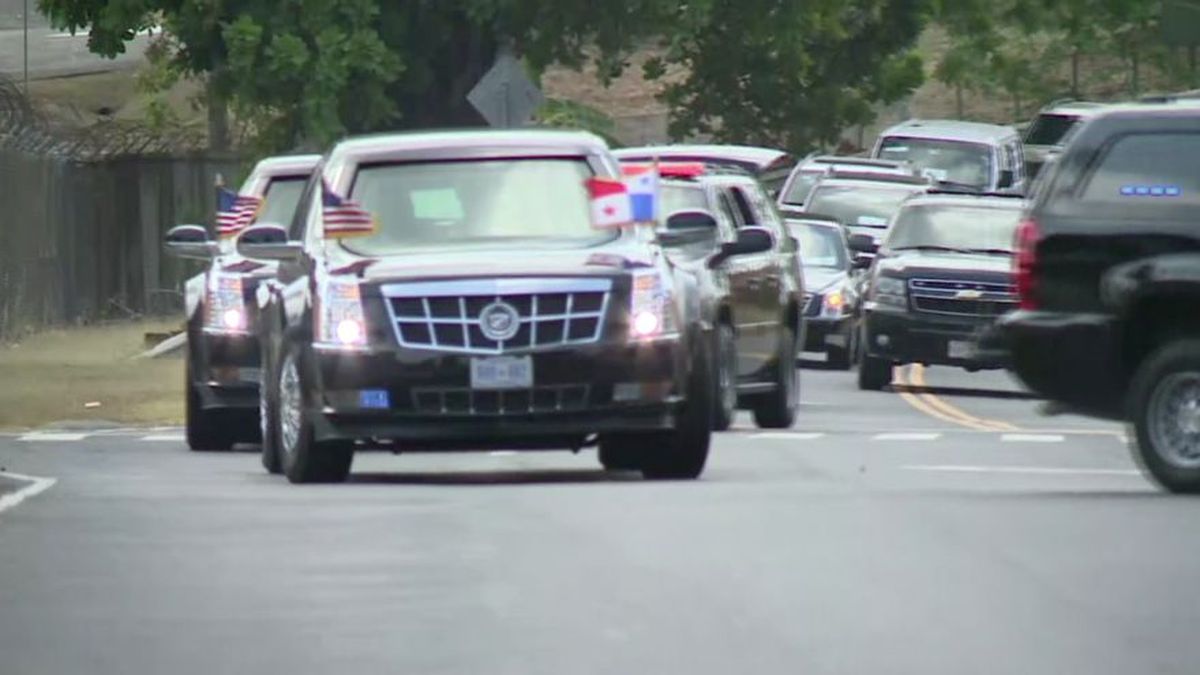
[969,294]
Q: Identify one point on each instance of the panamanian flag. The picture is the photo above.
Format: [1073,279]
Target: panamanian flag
[610,204]
[234,212]
[642,184]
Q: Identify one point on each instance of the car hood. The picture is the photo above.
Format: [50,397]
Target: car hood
[819,279]
[456,264]
[949,265]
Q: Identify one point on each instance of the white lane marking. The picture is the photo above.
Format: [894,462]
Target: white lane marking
[36,486]
[789,436]
[502,453]
[164,438]
[1028,470]
[1033,438]
[51,437]
[906,436]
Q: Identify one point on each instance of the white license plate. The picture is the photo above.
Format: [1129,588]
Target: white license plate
[959,349]
[502,372]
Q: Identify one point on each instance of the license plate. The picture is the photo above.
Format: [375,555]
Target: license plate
[502,372]
[959,349]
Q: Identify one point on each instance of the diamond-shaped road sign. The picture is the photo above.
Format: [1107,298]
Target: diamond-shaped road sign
[505,95]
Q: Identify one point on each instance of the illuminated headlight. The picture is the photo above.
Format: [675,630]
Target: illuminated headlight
[651,314]
[225,306]
[834,303]
[339,317]
[890,291]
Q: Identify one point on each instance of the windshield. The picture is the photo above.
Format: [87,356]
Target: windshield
[801,187]
[820,245]
[478,202]
[954,227]
[279,204]
[860,205]
[1050,129]
[943,160]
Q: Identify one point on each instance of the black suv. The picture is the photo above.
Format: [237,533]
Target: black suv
[1109,279]
[755,299]
[222,374]
[446,291]
[941,278]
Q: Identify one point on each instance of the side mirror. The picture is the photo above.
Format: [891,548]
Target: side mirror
[1007,178]
[862,261]
[268,242]
[750,240]
[863,243]
[190,241]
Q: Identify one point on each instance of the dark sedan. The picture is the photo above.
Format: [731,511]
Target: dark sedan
[831,295]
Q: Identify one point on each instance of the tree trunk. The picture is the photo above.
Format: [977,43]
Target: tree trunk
[218,116]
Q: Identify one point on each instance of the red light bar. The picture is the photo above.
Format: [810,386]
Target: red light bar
[665,169]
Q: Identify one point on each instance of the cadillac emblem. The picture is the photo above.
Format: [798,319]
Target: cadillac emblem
[499,321]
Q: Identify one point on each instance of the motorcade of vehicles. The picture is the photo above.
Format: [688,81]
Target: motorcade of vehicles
[804,177]
[983,157]
[864,203]
[1108,277]
[770,166]
[832,297]
[756,298]
[942,276]
[1050,130]
[222,354]
[447,291]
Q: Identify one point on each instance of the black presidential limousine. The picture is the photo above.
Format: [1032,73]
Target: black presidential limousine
[481,311]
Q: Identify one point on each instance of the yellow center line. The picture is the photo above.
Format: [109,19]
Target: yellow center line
[917,377]
[918,403]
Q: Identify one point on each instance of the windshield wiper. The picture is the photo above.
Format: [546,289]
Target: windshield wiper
[990,251]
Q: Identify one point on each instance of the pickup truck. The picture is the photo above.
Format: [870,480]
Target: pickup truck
[1108,275]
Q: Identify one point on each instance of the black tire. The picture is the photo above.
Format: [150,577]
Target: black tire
[621,452]
[681,454]
[838,358]
[302,458]
[1171,370]
[725,399]
[268,420]
[874,373]
[205,430]
[777,410]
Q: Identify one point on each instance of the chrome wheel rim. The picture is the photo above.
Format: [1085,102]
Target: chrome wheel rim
[262,411]
[289,405]
[1174,419]
[725,373]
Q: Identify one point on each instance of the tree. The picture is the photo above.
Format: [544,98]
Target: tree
[309,71]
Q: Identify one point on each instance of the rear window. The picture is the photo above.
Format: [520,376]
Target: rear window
[1148,169]
[1050,129]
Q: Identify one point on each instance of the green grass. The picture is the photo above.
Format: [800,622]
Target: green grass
[53,376]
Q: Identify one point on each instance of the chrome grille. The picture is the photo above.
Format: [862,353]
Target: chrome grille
[446,315]
[962,298]
[465,401]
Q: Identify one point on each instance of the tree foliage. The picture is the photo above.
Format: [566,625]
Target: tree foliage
[308,71]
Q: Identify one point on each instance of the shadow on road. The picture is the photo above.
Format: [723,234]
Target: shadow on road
[496,478]
[815,364]
[962,391]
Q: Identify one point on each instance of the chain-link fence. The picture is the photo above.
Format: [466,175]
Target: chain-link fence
[83,217]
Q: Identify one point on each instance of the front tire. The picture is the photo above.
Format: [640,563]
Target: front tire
[682,453]
[1164,405]
[303,459]
[268,418]
[777,410]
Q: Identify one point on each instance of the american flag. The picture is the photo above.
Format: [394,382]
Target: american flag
[234,212]
[342,217]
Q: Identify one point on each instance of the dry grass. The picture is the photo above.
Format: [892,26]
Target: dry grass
[52,376]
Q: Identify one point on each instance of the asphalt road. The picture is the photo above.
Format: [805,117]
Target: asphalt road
[876,537]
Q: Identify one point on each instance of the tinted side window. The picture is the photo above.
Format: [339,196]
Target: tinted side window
[743,207]
[730,211]
[1151,168]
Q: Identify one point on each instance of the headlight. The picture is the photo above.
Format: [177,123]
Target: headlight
[651,314]
[834,303]
[890,291]
[225,306]
[339,317]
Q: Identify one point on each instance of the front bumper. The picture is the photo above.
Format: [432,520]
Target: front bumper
[426,397]
[225,370]
[1070,358]
[904,336]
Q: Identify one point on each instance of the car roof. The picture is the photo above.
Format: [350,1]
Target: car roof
[936,198]
[1075,108]
[283,165]
[975,132]
[742,154]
